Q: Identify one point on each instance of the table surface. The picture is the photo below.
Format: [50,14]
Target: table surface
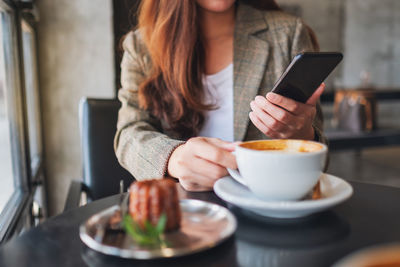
[370,217]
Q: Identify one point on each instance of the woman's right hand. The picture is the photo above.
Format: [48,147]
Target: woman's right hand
[200,162]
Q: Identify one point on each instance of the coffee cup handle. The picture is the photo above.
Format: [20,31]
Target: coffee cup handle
[236,175]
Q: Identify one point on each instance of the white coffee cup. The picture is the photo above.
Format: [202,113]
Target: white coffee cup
[279,169]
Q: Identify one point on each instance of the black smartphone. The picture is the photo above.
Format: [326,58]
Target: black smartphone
[305,74]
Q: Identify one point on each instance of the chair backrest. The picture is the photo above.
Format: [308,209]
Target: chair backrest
[101,171]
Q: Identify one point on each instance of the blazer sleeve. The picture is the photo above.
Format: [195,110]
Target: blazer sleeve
[303,42]
[139,143]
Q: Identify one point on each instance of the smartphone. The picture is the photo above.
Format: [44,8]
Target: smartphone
[305,74]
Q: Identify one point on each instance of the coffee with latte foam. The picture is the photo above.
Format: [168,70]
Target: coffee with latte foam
[283,145]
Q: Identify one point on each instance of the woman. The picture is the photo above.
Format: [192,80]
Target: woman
[196,76]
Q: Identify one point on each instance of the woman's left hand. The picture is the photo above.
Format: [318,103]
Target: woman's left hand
[281,117]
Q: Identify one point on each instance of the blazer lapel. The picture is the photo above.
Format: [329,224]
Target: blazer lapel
[249,63]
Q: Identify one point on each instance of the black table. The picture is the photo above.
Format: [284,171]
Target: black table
[370,217]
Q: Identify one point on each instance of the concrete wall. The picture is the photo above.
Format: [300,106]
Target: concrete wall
[372,42]
[76,59]
[324,17]
[366,31]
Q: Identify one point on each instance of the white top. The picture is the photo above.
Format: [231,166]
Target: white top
[219,92]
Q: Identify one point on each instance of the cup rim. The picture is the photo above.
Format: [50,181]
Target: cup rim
[322,150]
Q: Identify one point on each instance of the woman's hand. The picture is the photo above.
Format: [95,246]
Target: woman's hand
[200,162]
[281,117]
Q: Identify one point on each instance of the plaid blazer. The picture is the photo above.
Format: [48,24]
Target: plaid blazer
[264,44]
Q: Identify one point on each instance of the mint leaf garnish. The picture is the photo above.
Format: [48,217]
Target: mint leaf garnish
[150,235]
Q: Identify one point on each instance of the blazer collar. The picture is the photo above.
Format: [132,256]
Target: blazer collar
[249,62]
[249,20]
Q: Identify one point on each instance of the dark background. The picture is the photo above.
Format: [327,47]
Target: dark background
[125,19]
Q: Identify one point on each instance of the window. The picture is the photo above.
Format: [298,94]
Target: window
[6,167]
[16,189]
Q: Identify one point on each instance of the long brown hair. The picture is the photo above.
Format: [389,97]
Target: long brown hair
[174,91]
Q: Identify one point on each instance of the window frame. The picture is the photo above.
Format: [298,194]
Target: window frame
[29,15]
[36,162]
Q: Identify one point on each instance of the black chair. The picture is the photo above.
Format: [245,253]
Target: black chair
[101,171]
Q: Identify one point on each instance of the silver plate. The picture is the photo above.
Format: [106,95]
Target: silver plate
[203,226]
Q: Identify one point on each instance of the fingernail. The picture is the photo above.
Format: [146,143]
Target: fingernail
[271,96]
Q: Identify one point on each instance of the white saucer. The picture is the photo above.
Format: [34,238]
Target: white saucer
[334,191]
